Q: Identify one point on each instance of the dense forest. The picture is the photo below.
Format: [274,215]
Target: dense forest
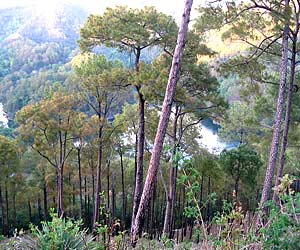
[102,146]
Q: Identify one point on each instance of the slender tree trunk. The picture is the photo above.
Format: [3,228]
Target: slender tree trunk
[287,117]
[93,181]
[85,201]
[201,190]
[113,214]
[277,126]
[123,192]
[140,157]
[236,188]
[174,203]
[208,204]
[172,181]
[80,182]
[39,208]
[29,211]
[163,123]
[98,178]
[60,206]
[108,196]
[14,206]
[153,213]
[45,200]
[7,208]
[2,213]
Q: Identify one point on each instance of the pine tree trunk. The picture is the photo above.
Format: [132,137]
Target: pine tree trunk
[163,123]
[277,126]
[113,213]
[98,178]
[80,182]
[287,118]
[45,200]
[172,182]
[85,201]
[60,207]
[14,206]
[140,157]
[7,208]
[2,213]
[93,181]
[39,208]
[123,192]
[29,211]
[108,194]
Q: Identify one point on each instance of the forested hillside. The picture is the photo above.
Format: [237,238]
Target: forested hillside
[102,148]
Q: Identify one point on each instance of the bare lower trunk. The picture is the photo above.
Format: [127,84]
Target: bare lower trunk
[98,180]
[140,157]
[80,182]
[163,123]
[60,206]
[2,213]
[123,193]
[277,126]
[172,182]
[7,208]
[39,208]
[287,119]
[29,211]
[113,190]
[108,206]
[14,206]
[45,201]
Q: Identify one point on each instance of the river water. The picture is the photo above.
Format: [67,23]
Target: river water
[208,131]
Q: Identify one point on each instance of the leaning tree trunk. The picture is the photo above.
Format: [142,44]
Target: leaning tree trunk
[163,123]
[287,119]
[278,117]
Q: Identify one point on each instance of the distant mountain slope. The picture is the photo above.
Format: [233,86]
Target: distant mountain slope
[34,48]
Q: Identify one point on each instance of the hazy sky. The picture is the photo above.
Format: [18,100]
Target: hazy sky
[173,8]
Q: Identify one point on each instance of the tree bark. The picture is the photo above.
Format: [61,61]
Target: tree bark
[287,117]
[2,213]
[29,211]
[123,192]
[172,181]
[14,206]
[113,190]
[98,179]
[108,196]
[277,126]
[163,123]
[140,156]
[80,182]
[60,206]
[39,208]
[7,208]
[45,200]
[85,201]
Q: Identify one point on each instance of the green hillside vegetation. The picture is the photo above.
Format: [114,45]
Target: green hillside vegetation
[103,146]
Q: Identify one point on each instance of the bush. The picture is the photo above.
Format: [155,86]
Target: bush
[59,234]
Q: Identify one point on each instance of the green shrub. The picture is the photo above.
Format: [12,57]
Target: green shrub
[59,234]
